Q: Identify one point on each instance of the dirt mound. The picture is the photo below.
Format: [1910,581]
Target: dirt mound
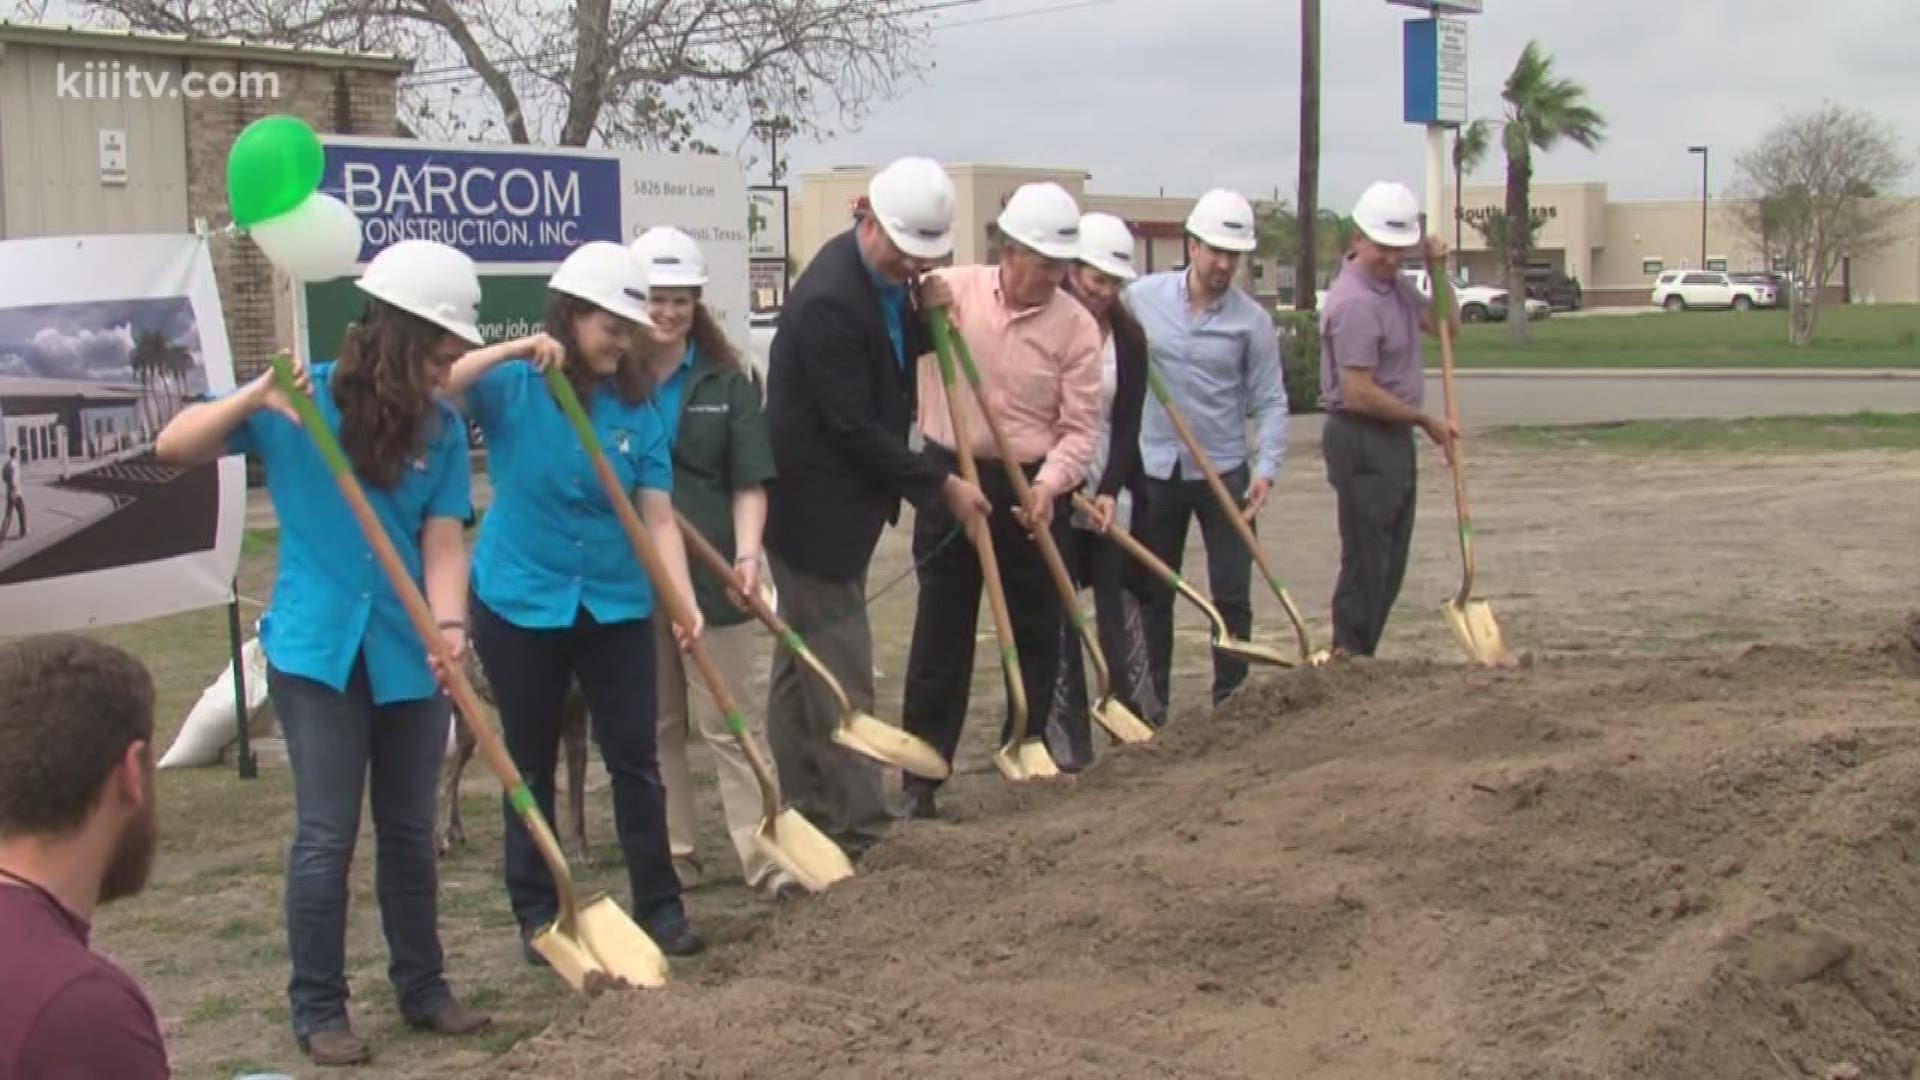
[1592,868]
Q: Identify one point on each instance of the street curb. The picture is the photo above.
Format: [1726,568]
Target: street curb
[1687,373]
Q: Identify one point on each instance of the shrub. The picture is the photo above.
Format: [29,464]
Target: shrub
[1300,358]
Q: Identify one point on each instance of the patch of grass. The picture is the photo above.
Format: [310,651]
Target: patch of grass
[1779,434]
[501,1038]
[215,1008]
[239,930]
[1881,336]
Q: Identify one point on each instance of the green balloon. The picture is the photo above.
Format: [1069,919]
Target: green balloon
[273,166]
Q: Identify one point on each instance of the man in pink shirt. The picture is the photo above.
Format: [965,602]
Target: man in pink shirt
[77,829]
[1038,352]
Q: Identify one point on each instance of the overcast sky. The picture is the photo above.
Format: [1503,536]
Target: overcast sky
[1189,94]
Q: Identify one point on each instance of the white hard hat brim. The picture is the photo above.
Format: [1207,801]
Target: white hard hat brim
[1110,267]
[461,329]
[626,306]
[1236,243]
[676,281]
[916,245]
[1387,236]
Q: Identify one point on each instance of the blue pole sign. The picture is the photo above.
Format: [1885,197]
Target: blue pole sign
[500,207]
[1435,71]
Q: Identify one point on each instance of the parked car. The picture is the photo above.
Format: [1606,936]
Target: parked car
[1478,303]
[1678,290]
[760,344]
[1555,288]
[1781,283]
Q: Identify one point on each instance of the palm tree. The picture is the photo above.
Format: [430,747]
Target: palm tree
[1542,109]
[1470,146]
[148,361]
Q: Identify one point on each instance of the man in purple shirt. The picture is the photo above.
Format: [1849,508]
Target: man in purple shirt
[1373,383]
[77,829]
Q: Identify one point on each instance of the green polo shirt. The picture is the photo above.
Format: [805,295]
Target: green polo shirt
[720,447]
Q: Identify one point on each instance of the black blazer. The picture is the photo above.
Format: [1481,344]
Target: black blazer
[839,407]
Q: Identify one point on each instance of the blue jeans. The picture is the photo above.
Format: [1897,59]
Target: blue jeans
[614,662]
[335,741]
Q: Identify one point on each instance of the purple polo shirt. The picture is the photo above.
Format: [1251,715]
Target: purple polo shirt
[1372,324]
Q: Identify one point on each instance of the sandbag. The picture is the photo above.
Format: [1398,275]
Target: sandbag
[209,727]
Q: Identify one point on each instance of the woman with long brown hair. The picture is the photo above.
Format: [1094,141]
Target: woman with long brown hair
[1116,485]
[558,593]
[354,690]
[722,461]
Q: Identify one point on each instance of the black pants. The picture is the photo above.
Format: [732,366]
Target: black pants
[940,661]
[614,663]
[1171,504]
[1372,469]
[1120,627]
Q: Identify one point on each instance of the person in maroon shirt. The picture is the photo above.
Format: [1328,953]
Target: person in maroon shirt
[77,829]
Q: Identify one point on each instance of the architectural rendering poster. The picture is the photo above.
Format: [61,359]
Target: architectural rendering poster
[103,339]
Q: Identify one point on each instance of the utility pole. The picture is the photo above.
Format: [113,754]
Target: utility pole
[1702,151]
[1306,263]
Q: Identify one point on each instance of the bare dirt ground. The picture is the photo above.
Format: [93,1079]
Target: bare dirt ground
[1643,856]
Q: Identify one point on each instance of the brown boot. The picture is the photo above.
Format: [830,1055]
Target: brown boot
[337,1046]
[452,1019]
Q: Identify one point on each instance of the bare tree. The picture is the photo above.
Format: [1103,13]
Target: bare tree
[634,73]
[1811,182]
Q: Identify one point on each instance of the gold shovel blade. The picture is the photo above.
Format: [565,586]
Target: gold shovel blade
[1474,628]
[605,948]
[791,841]
[1251,653]
[1121,723]
[1035,761]
[889,745]
[1007,760]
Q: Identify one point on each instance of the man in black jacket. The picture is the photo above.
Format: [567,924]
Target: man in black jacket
[840,402]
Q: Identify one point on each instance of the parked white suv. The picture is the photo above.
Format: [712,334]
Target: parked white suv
[1678,290]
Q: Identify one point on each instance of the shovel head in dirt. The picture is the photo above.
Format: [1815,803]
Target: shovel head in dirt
[794,845]
[603,950]
[857,731]
[1474,628]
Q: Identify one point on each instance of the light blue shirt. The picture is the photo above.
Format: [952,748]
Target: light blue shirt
[551,542]
[1221,367]
[331,601]
[668,396]
[893,305]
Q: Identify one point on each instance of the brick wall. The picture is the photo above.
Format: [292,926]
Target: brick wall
[345,101]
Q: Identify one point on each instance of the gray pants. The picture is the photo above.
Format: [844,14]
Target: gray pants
[838,790]
[1171,504]
[1372,469]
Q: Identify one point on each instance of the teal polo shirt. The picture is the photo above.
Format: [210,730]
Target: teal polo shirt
[332,604]
[551,543]
[893,306]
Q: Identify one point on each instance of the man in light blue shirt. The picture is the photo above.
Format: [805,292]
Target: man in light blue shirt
[1218,354]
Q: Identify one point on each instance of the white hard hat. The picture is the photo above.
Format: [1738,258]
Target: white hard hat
[913,201]
[1389,214]
[1223,219]
[606,275]
[670,258]
[1106,244]
[1043,217]
[429,279]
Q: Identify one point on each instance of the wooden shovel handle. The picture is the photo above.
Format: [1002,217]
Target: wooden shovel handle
[981,532]
[670,599]
[1442,312]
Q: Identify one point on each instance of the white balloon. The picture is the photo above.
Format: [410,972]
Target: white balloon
[319,240]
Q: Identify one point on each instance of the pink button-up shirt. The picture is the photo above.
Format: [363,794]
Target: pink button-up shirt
[1041,370]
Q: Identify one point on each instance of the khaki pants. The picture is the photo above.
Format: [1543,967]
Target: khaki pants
[732,649]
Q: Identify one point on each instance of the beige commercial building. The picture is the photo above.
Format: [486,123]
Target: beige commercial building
[169,109]
[1616,249]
